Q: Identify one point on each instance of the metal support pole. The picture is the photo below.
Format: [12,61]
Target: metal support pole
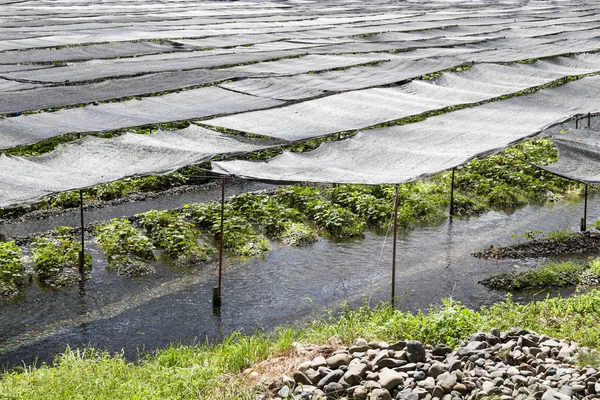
[452,194]
[585,204]
[394,248]
[217,290]
[577,122]
[589,119]
[82,251]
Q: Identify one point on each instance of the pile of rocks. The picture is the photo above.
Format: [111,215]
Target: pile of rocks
[518,364]
[575,243]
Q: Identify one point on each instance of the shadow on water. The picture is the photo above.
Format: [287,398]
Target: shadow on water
[174,304]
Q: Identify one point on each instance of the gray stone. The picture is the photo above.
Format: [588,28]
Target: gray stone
[476,345]
[550,343]
[437,392]
[318,362]
[389,379]
[302,379]
[372,385]
[333,376]
[448,383]
[358,349]
[284,392]
[355,373]
[334,388]
[407,367]
[441,350]
[552,394]
[304,366]
[400,345]
[380,394]
[338,360]
[436,369]
[415,351]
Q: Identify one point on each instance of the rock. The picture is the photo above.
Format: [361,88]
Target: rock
[318,362]
[360,342]
[437,392]
[448,383]
[550,343]
[441,350]
[415,351]
[355,374]
[380,394]
[287,381]
[460,388]
[284,392]
[552,394]
[360,393]
[302,379]
[400,345]
[338,360]
[333,376]
[389,379]
[358,349]
[436,369]
[334,389]
[304,366]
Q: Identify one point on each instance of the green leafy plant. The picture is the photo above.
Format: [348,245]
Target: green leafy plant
[238,235]
[127,250]
[56,258]
[278,221]
[11,268]
[338,221]
[175,236]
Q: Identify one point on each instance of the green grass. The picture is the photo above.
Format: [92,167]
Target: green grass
[212,371]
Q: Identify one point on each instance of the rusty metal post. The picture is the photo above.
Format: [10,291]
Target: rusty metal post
[585,206]
[82,251]
[217,290]
[452,194]
[394,248]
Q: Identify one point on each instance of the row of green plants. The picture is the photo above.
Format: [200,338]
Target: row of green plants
[215,371]
[551,274]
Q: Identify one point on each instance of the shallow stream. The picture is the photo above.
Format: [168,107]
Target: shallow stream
[286,285]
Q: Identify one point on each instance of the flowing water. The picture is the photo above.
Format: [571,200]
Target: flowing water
[286,285]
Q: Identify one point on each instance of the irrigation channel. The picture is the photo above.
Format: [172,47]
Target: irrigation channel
[286,285]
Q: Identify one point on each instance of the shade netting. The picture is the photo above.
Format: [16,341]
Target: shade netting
[92,161]
[406,153]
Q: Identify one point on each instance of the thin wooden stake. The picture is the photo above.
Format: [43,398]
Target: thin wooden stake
[452,194]
[394,248]
[217,292]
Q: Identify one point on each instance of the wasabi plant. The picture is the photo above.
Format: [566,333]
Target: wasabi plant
[11,268]
[337,221]
[56,258]
[175,236]
[127,250]
[238,235]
